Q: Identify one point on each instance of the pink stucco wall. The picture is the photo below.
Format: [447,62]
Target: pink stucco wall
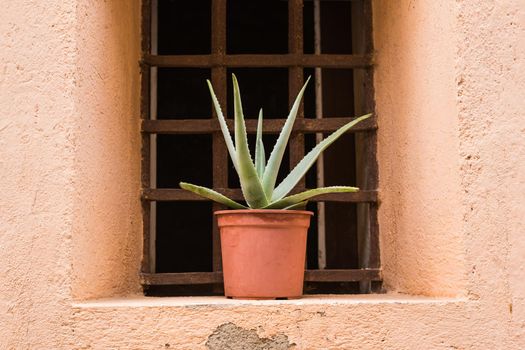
[450,100]
[107,236]
[421,211]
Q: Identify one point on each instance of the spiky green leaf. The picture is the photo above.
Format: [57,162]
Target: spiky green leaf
[298,206]
[260,156]
[292,200]
[250,183]
[211,194]
[300,169]
[276,157]
[223,125]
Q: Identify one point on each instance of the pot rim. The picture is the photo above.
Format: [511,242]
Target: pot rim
[263,211]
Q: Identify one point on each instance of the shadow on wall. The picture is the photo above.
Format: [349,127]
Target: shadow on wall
[107,229]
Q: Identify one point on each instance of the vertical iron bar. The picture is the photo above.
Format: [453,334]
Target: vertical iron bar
[321,232]
[363,213]
[153,137]
[219,81]
[371,141]
[366,163]
[144,113]
[295,78]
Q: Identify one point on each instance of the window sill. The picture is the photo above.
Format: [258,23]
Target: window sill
[219,301]
[328,321]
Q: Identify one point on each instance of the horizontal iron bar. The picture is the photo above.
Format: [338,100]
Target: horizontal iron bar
[156,279]
[240,61]
[170,194]
[356,275]
[353,275]
[271,126]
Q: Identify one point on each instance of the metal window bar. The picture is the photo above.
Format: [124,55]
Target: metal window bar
[220,153]
[153,137]
[321,233]
[146,139]
[369,273]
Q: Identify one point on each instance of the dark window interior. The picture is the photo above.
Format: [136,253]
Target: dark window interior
[265,88]
[184,27]
[183,229]
[184,236]
[257,26]
[183,94]
[336,28]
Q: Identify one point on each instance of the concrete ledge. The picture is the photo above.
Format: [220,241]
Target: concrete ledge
[212,301]
[380,321]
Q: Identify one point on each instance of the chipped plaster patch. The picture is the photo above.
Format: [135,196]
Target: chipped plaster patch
[232,337]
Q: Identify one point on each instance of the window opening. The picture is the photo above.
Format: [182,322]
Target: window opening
[185,43]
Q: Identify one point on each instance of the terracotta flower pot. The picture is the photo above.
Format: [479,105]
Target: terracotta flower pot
[263,252]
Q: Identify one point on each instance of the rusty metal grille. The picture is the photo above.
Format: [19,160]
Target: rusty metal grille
[219,61]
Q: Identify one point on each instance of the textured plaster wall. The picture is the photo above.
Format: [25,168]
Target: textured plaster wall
[450,98]
[450,87]
[37,157]
[418,147]
[69,163]
[107,241]
[491,113]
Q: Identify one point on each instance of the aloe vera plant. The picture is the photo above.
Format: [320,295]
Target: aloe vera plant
[258,177]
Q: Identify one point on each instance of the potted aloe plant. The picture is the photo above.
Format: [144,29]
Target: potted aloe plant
[264,242]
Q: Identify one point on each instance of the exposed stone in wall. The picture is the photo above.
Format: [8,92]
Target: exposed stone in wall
[228,336]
